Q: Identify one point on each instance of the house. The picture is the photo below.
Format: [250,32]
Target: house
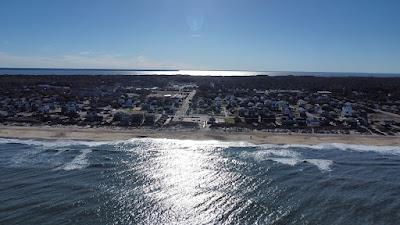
[229,120]
[149,119]
[211,121]
[129,118]
[128,103]
[3,115]
[45,108]
[70,109]
[218,101]
[287,121]
[301,121]
[268,118]
[251,117]
[92,116]
[350,122]
[312,121]
[301,103]
[347,110]
[318,109]
[302,112]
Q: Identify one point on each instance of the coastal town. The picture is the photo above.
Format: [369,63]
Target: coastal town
[228,104]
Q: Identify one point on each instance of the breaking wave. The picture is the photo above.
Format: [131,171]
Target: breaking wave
[79,162]
[53,143]
[288,154]
[210,143]
[395,150]
[159,181]
[288,157]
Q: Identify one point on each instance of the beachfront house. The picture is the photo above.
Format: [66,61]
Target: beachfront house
[313,121]
[125,118]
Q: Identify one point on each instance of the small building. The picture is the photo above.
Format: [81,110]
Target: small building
[211,121]
[129,118]
[149,119]
[301,121]
[324,92]
[268,118]
[313,122]
[229,120]
[318,109]
[71,109]
[287,121]
[45,109]
[93,116]
[301,103]
[3,114]
[347,110]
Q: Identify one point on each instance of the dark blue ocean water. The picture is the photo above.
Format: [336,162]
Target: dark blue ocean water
[34,71]
[156,181]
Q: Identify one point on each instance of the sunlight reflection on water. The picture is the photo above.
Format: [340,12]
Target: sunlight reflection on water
[187,176]
[192,182]
[161,181]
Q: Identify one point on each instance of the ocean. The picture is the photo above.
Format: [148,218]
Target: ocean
[161,181]
[51,71]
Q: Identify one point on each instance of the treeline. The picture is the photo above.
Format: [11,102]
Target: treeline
[338,85]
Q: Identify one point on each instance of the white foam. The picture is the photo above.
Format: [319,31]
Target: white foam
[79,162]
[322,164]
[53,143]
[273,149]
[211,143]
[394,150]
[287,161]
[186,143]
[287,157]
[260,155]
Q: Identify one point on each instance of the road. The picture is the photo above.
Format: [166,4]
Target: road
[181,112]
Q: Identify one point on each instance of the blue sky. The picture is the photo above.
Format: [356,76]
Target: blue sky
[281,35]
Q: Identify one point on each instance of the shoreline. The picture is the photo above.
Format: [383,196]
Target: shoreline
[255,137]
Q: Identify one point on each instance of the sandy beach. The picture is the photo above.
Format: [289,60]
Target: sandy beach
[256,137]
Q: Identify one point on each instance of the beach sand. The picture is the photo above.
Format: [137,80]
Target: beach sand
[256,137]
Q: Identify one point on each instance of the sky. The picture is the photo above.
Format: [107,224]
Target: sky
[260,35]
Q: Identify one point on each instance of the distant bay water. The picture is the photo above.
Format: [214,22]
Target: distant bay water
[161,181]
[50,71]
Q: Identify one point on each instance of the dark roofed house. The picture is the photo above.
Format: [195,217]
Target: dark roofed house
[268,118]
[149,119]
[313,121]
[92,116]
[129,118]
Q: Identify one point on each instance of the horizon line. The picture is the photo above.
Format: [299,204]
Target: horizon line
[177,70]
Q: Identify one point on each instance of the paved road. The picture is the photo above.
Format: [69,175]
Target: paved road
[181,112]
